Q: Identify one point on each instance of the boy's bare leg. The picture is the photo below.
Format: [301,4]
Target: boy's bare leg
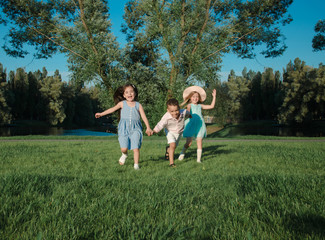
[171,152]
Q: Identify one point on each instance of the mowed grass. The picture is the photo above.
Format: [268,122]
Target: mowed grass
[75,189]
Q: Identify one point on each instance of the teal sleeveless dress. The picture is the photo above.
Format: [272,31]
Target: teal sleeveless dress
[195,126]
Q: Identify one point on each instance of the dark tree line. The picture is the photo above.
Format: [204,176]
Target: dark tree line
[295,96]
[40,97]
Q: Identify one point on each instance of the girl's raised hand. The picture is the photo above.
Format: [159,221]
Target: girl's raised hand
[98,115]
[214,93]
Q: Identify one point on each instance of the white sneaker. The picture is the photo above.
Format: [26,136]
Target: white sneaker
[181,156]
[199,161]
[136,167]
[122,159]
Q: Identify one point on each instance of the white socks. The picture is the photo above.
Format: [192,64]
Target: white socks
[199,154]
[122,159]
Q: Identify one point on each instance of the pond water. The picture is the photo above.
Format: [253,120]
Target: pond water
[53,131]
[274,130]
[267,130]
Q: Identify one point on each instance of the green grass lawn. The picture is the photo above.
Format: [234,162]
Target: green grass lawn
[75,189]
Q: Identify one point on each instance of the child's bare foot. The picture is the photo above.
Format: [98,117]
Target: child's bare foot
[172,165]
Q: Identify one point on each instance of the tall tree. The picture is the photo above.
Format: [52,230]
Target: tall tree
[5,115]
[18,85]
[51,90]
[318,41]
[78,28]
[304,93]
[195,34]
[270,86]
[237,88]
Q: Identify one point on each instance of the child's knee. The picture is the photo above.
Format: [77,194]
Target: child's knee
[136,150]
[172,146]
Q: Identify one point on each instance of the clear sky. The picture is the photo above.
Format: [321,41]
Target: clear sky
[298,33]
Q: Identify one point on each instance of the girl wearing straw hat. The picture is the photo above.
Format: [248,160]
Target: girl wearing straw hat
[195,126]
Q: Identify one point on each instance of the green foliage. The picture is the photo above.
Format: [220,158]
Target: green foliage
[194,35]
[79,29]
[51,91]
[76,189]
[37,96]
[318,42]
[5,115]
[304,93]
[237,89]
[172,44]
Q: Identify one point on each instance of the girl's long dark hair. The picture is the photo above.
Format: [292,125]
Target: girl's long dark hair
[119,92]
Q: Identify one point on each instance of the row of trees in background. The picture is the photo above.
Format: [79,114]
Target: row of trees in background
[170,45]
[39,97]
[177,42]
[295,96]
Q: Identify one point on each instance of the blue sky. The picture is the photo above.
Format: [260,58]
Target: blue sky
[298,33]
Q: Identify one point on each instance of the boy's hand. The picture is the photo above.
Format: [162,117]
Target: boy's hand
[98,115]
[149,132]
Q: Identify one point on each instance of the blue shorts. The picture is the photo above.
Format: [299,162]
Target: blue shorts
[131,141]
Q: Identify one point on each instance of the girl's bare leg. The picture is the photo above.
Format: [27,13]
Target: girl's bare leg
[199,142]
[186,146]
[136,155]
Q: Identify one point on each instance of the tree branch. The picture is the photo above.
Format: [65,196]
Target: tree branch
[253,30]
[58,43]
[206,19]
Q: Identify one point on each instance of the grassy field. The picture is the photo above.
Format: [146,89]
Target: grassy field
[73,188]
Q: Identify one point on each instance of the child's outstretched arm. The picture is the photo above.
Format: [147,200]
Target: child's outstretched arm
[110,110]
[145,120]
[211,106]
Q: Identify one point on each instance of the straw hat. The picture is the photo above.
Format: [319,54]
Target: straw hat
[197,89]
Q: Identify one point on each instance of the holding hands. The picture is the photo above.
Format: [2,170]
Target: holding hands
[149,132]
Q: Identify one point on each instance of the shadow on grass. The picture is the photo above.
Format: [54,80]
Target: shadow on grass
[306,225]
[207,152]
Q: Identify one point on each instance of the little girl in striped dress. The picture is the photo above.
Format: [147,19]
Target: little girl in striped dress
[129,127]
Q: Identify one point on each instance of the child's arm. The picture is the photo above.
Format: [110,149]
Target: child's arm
[145,120]
[211,106]
[110,110]
[188,108]
[161,124]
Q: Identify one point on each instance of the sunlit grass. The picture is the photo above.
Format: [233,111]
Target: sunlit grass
[75,189]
